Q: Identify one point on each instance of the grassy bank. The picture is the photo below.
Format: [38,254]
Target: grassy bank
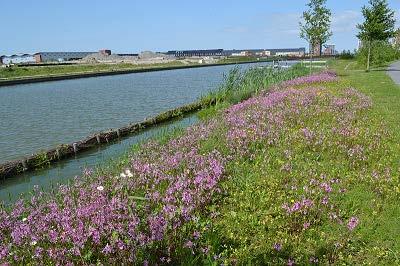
[305,172]
[42,71]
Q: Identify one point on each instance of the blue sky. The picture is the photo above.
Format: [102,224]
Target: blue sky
[134,26]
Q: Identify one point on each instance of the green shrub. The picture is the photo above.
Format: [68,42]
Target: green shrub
[346,55]
[381,53]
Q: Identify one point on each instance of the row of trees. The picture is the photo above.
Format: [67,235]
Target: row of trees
[375,32]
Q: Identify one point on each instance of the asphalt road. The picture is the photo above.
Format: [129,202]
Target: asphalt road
[394,72]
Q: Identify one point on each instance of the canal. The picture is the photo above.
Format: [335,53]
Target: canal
[40,116]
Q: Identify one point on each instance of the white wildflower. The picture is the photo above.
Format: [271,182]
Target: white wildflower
[33,243]
[100,188]
[24,219]
[122,175]
[129,173]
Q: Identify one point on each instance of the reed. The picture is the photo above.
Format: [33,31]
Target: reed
[240,85]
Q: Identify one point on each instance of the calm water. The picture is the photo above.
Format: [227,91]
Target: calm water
[43,115]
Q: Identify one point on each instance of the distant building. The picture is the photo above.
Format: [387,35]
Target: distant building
[105,52]
[290,52]
[128,55]
[60,56]
[316,50]
[263,53]
[243,53]
[200,53]
[149,55]
[329,49]
[17,59]
[287,52]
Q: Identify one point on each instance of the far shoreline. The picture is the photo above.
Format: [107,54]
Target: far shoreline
[78,75]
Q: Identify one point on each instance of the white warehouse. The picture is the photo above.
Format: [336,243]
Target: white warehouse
[17,59]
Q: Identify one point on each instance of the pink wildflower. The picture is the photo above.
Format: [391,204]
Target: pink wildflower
[277,246]
[353,222]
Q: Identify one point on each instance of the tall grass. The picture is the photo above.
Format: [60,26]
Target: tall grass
[240,85]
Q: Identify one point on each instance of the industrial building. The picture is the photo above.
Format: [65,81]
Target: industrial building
[17,59]
[290,52]
[130,54]
[241,53]
[44,57]
[329,49]
[200,53]
[60,56]
[316,50]
[105,52]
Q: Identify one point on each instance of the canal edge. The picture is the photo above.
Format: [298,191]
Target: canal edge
[64,151]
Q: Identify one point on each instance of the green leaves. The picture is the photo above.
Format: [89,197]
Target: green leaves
[137,198]
[379,22]
[88,256]
[316,25]
[381,53]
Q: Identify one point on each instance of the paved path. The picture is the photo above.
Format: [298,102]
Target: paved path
[347,66]
[394,72]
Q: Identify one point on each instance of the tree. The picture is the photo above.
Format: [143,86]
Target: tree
[378,25]
[380,52]
[315,27]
